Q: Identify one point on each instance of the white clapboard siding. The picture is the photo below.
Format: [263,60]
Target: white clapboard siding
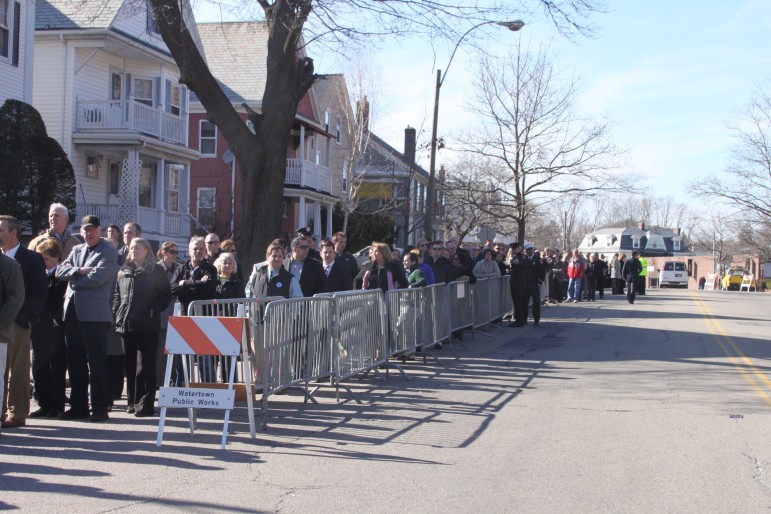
[49,86]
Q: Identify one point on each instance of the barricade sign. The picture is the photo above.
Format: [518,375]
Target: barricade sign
[748,283]
[199,335]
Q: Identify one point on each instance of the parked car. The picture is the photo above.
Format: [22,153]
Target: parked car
[673,274]
[733,279]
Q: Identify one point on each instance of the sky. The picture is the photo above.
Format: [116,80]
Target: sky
[668,75]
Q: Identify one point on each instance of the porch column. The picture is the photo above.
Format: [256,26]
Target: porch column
[303,220]
[317,218]
[329,220]
[301,159]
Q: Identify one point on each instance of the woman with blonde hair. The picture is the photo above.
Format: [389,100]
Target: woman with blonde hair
[383,273]
[142,293]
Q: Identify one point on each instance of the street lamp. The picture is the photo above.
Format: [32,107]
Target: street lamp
[431,191]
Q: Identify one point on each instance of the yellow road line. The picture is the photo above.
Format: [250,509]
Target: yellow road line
[737,357]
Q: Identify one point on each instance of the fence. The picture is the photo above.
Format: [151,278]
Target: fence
[338,336]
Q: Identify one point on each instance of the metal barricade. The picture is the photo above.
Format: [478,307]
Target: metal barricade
[297,342]
[361,333]
[461,308]
[405,314]
[506,305]
[251,308]
[480,293]
[494,285]
[437,304]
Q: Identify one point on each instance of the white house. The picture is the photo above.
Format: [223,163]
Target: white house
[17,28]
[107,88]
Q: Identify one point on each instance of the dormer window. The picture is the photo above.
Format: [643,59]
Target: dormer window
[636,242]
[152,27]
[676,242]
[609,240]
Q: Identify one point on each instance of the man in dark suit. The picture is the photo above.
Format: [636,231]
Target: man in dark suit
[338,275]
[91,270]
[535,274]
[309,272]
[340,240]
[130,231]
[16,373]
[307,234]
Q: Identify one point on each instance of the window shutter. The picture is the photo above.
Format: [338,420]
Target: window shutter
[167,98]
[182,100]
[129,83]
[16,32]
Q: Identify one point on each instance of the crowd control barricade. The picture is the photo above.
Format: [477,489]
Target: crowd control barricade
[407,309]
[361,334]
[480,293]
[495,285]
[297,343]
[460,304]
[438,322]
[187,335]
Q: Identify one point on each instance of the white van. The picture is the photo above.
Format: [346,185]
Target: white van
[673,274]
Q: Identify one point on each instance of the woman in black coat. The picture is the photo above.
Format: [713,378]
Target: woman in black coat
[229,286]
[141,294]
[384,274]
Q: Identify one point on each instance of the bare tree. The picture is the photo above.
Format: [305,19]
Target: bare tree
[262,155]
[745,186]
[530,127]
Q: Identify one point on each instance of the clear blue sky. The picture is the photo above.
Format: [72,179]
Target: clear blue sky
[669,75]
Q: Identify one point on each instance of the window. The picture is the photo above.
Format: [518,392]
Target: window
[152,27]
[147,179]
[143,91]
[207,139]
[676,244]
[206,203]
[635,242]
[5,33]
[338,133]
[326,120]
[113,181]
[172,189]
[116,86]
[173,104]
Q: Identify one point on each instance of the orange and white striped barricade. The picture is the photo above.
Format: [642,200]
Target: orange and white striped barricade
[203,336]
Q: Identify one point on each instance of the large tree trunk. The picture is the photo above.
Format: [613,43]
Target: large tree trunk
[261,156]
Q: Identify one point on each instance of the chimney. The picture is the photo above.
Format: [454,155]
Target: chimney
[676,231]
[641,225]
[362,113]
[409,143]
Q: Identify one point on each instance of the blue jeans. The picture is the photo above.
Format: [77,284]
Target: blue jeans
[574,289]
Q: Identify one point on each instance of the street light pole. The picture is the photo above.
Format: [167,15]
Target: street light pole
[431,190]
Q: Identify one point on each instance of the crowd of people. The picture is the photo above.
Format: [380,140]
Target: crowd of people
[97,311]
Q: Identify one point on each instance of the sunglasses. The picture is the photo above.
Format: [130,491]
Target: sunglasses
[437,248]
[172,252]
[212,242]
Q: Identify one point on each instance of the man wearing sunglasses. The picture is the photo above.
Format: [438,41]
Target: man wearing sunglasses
[441,267]
[309,272]
[213,250]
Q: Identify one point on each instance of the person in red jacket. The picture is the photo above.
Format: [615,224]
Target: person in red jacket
[576,268]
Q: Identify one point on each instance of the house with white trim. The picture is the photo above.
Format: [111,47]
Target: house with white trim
[108,90]
[17,29]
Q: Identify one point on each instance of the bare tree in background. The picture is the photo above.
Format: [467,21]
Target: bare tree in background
[745,186]
[529,126]
[335,23]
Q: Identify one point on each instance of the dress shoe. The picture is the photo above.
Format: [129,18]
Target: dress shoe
[130,409]
[96,417]
[13,423]
[53,413]
[40,413]
[144,414]
[70,415]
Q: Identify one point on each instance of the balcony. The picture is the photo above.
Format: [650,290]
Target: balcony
[116,116]
[152,221]
[302,173]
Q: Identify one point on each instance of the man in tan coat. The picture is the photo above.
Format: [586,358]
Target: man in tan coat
[11,300]
[58,220]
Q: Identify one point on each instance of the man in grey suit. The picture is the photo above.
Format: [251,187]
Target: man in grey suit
[91,270]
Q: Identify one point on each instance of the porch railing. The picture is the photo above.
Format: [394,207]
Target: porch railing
[99,116]
[300,172]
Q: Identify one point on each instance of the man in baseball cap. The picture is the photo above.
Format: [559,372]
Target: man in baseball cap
[89,221]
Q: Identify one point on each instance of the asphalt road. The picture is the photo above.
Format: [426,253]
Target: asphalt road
[661,406]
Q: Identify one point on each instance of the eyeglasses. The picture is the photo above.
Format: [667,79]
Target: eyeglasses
[212,242]
[172,252]
[436,248]
[303,247]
